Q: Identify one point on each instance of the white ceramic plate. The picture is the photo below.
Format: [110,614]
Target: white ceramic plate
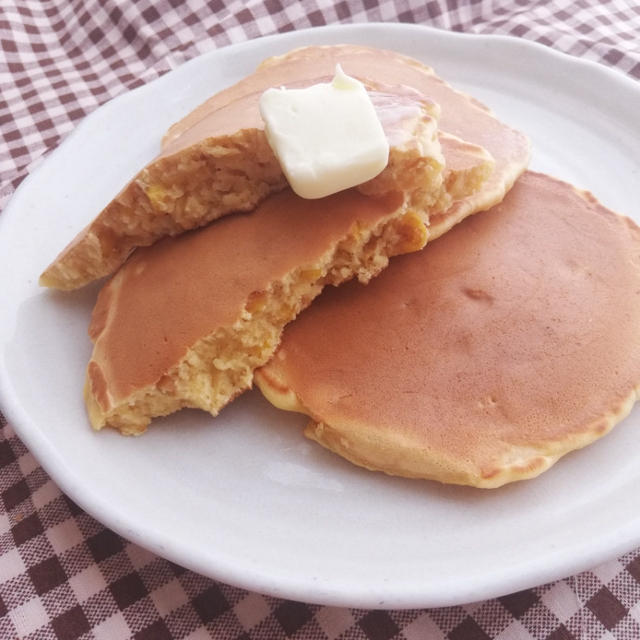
[245,498]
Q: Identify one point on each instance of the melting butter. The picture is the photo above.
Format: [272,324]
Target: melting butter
[327,137]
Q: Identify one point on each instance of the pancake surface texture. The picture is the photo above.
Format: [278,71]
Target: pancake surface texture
[512,340]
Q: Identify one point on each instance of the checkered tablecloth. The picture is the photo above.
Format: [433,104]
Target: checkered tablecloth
[62,574]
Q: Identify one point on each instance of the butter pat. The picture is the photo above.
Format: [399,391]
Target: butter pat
[326,137]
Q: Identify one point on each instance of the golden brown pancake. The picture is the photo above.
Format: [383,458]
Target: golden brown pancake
[184,322]
[461,115]
[224,164]
[505,344]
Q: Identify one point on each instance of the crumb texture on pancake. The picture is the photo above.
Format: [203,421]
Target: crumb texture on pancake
[184,323]
[173,194]
[224,164]
[483,359]
[468,168]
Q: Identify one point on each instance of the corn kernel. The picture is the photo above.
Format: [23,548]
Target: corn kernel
[412,233]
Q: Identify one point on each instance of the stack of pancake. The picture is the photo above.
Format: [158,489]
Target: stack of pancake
[479,360]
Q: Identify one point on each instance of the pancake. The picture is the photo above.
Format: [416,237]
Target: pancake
[224,164]
[481,360]
[184,322]
[461,115]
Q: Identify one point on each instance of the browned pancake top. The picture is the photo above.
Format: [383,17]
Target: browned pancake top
[460,114]
[397,107]
[169,295]
[519,327]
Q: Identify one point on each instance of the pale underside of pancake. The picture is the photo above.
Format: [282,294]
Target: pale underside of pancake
[224,164]
[461,115]
[512,340]
[185,322]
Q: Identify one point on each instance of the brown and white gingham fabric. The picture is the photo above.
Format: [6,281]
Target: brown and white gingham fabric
[62,574]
